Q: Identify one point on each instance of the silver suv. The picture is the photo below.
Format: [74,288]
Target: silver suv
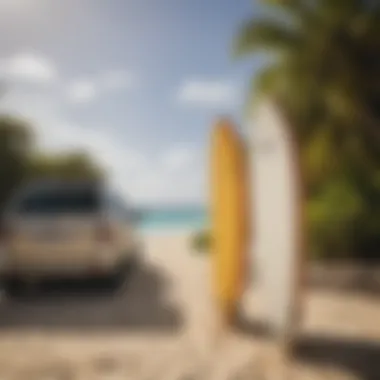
[66,229]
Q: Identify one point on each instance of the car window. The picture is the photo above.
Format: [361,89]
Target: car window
[59,201]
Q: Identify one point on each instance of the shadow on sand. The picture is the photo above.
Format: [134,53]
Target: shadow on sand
[254,328]
[361,358]
[141,302]
[346,278]
[358,357]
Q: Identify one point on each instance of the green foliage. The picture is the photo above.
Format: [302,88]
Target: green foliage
[332,214]
[67,166]
[15,150]
[324,69]
[19,163]
[201,241]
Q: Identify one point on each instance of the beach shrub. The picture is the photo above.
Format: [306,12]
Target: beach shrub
[201,241]
[332,216]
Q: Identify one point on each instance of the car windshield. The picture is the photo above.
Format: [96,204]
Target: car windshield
[59,201]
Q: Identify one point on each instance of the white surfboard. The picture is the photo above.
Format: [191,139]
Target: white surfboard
[277,217]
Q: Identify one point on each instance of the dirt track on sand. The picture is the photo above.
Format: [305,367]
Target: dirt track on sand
[157,327]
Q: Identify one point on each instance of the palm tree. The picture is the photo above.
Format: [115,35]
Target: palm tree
[323,65]
[324,59]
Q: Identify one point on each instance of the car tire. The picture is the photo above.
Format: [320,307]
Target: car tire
[12,287]
[117,277]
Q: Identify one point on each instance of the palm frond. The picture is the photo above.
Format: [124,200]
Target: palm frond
[262,84]
[295,7]
[265,35]
[300,12]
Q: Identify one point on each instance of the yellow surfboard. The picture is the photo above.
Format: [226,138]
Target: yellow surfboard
[230,211]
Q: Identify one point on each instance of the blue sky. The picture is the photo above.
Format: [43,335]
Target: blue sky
[136,83]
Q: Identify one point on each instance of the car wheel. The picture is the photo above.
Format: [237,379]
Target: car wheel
[12,287]
[116,278]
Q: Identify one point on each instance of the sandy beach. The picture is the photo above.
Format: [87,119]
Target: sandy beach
[159,326]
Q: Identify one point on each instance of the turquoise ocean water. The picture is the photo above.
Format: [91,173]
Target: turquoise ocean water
[164,219]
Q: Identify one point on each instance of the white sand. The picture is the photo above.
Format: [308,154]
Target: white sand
[128,342]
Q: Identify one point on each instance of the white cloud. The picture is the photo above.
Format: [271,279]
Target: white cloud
[29,67]
[177,158]
[203,93]
[87,90]
[82,91]
[157,180]
[117,80]
[16,5]
[174,174]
